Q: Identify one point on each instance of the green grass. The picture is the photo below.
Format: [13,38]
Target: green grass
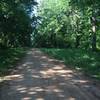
[86,61]
[8,57]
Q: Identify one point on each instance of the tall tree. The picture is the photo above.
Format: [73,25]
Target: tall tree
[93,11]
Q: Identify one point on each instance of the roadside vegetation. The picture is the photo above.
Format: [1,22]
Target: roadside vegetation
[9,58]
[82,60]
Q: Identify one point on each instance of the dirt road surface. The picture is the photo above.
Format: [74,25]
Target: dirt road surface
[39,77]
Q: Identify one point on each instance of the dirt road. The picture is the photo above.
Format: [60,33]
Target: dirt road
[39,77]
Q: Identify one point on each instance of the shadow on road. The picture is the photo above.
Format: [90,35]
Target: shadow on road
[39,77]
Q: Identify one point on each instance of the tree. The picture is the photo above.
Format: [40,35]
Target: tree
[92,9]
[68,23]
[15,22]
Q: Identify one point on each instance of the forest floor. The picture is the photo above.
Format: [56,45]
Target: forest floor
[40,77]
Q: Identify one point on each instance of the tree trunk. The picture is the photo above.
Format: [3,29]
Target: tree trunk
[93,38]
[77,41]
[93,21]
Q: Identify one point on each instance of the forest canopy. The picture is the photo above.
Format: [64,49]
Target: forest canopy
[15,22]
[68,23]
[51,23]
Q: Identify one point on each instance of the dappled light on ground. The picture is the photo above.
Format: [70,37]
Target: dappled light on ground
[39,77]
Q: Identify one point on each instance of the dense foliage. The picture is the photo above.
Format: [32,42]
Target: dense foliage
[68,23]
[79,59]
[60,23]
[15,22]
[9,57]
